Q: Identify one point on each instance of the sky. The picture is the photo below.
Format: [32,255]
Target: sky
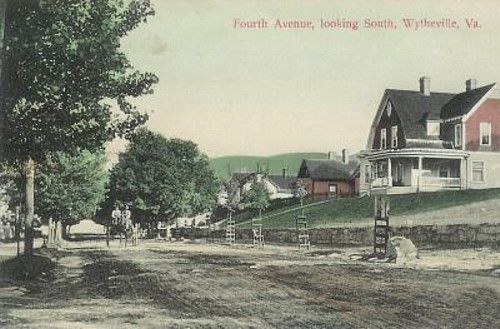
[240,91]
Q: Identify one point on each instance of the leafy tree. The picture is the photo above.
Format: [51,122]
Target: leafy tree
[63,70]
[300,190]
[70,188]
[257,197]
[161,179]
[233,196]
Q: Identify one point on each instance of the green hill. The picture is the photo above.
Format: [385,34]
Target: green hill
[291,161]
[471,205]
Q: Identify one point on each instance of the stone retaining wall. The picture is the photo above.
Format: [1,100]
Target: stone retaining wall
[444,236]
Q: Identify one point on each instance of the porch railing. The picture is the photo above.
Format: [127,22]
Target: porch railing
[443,182]
[380,182]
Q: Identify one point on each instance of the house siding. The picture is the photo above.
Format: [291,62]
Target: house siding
[387,123]
[489,111]
[448,131]
[491,170]
[322,188]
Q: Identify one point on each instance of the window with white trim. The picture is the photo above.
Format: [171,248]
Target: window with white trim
[478,171]
[458,134]
[383,138]
[394,136]
[433,128]
[485,133]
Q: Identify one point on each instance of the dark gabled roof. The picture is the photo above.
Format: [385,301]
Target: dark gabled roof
[462,103]
[414,108]
[284,183]
[242,177]
[327,170]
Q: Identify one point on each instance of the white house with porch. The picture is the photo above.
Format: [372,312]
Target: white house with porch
[425,141]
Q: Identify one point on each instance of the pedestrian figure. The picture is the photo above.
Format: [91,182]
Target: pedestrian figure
[126,225]
[116,215]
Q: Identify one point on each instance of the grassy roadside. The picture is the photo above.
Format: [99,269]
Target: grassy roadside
[354,210]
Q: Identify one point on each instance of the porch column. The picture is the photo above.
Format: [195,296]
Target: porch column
[389,171]
[463,174]
[419,177]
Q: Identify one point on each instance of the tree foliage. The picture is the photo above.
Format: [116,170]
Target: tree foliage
[233,196]
[257,197]
[300,190]
[162,178]
[69,188]
[63,69]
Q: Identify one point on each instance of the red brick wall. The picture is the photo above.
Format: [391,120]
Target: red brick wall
[489,111]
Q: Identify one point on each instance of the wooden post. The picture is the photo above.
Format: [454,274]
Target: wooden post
[419,177]
[389,172]
[381,228]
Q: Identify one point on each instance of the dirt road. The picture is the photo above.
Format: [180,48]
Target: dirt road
[180,285]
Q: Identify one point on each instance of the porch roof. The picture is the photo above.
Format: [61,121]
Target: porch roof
[414,152]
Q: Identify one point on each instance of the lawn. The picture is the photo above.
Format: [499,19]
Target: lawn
[352,210]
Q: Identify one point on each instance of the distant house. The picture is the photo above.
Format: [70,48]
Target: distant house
[278,186]
[330,178]
[428,141]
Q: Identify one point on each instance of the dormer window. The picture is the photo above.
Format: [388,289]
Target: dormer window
[388,108]
[383,139]
[433,128]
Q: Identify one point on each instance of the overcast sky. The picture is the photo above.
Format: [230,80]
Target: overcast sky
[269,91]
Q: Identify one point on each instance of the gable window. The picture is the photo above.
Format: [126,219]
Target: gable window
[383,138]
[388,108]
[485,133]
[478,171]
[458,135]
[394,136]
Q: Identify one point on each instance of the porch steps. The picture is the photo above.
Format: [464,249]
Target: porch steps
[303,240]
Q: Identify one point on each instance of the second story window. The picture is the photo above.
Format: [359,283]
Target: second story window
[458,135]
[485,133]
[394,136]
[383,138]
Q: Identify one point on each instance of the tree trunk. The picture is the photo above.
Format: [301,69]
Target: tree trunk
[30,206]
[59,233]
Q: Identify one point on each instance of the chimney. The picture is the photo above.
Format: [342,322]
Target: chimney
[425,86]
[345,156]
[284,172]
[470,84]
